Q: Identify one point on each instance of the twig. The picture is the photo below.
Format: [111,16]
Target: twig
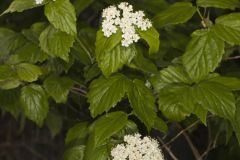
[232,58]
[73,91]
[80,90]
[180,133]
[191,145]
[168,150]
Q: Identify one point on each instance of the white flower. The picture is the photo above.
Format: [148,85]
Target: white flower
[124,18]
[38,1]
[137,148]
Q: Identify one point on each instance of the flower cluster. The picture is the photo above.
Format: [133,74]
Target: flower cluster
[38,1]
[123,17]
[137,148]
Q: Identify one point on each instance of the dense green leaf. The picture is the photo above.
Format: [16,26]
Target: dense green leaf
[28,72]
[9,84]
[143,103]
[177,13]
[34,103]
[176,101]
[107,125]
[56,43]
[8,77]
[226,4]
[151,36]
[201,113]
[30,52]
[236,121]
[80,5]
[160,125]
[61,14]
[21,5]
[227,27]
[74,153]
[10,41]
[230,82]
[113,60]
[54,123]
[215,98]
[76,132]
[91,72]
[58,88]
[98,153]
[9,101]
[203,54]
[106,93]
[141,63]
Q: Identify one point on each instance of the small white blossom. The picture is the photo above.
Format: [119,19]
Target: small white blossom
[137,148]
[124,18]
[38,1]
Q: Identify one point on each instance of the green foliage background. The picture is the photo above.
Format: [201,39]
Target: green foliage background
[58,70]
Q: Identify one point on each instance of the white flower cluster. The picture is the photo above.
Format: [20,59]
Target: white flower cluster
[137,148]
[123,17]
[40,1]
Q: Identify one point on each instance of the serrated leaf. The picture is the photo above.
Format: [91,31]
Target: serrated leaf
[143,103]
[7,72]
[236,121]
[179,12]
[61,14]
[231,82]
[176,101]
[34,103]
[107,125]
[201,113]
[115,59]
[30,53]
[203,54]
[160,125]
[76,132]
[105,93]
[28,72]
[96,153]
[21,5]
[58,88]
[225,4]
[151,36]
[227,28]
[74,153]
[10,41]
[33,33]
[215,98]
[106,44]
[9,84]
[56,43]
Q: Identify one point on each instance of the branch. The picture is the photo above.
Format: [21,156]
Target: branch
[168,150]
[232,58]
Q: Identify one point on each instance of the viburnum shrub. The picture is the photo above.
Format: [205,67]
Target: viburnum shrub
[111,73]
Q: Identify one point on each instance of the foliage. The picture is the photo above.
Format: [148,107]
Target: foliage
[181,69]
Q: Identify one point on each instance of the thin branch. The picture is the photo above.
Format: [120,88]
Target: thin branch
[232,58]
[180,133]
[191,145]
[75,92]
[168,150]
[80,90]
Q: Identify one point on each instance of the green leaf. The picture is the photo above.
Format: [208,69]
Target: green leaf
[58,88]
[78,131]
[141,63]
[203,54]
[160,125]
[98,153]
[201,113]
[115,59]
[9,84]
[227,28]
[34,103]
[105,93]
[215,98]
[21,5]
[225,4]
[81,5]
[107,125]
[236,121]
[10,41]
[54,123]
[179,12]
[9,101]
[28,72]
[8,77]
[61,14]
[176,101]
[74,153]
[230,82]
[56,43]
[30,53]
[106,44]
[143,103]
[151,36]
